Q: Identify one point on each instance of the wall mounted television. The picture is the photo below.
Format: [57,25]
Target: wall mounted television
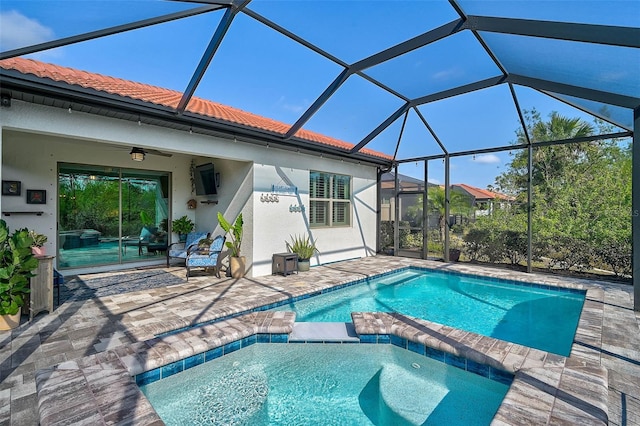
[205,179]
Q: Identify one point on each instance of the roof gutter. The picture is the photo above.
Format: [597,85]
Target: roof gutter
[73,95]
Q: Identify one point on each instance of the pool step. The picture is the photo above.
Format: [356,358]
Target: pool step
[323,332]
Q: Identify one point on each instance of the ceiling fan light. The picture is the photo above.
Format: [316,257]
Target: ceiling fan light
[137,154]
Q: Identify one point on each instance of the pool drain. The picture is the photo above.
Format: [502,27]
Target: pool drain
[415,365]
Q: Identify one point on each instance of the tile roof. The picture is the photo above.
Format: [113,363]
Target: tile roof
[479,193]
[168,98]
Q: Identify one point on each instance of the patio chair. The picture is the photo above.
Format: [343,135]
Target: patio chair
[148,235]
[206,257]
[180,250]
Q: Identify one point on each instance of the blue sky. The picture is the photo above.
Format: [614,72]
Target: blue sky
[261,71]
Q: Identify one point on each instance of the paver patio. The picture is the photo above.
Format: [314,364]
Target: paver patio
[608,334]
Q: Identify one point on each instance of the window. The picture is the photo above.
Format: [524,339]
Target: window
[330,200]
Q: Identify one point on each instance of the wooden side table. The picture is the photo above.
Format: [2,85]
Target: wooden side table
[41,295]
[284,263]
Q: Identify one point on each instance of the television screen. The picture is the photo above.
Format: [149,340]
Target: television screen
[205,178]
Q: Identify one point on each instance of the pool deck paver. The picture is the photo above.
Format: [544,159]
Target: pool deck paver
[119,332]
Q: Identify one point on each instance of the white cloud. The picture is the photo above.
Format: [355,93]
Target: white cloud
[434,181]
[487,159]
[447,74]
[20,31]
[296,109]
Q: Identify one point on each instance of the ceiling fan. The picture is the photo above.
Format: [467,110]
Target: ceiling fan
[138,154]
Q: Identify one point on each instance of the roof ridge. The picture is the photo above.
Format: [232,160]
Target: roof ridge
[169,98]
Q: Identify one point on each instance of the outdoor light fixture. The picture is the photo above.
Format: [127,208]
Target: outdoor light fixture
[137,154]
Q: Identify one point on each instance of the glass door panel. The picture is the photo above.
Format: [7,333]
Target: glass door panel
[109,215]
[410,225]
[145,210]
[88,221]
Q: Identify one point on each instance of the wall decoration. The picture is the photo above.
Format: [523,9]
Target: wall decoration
[36,196]
[11,187]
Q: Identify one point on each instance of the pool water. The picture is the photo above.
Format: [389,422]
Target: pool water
[535,317]
[325,384]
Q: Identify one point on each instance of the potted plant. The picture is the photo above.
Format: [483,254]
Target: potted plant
[37,249]
[454,249]
[237,263]
[182,226]
[17,264]
[304,248]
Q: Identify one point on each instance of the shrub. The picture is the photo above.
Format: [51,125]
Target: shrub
[475,243]
[16,267]
[617,255]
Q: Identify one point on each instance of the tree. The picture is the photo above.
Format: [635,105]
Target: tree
[436,202]
[581,194]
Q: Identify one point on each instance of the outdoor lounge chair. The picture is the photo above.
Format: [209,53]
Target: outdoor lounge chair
[181,250]
[202,257]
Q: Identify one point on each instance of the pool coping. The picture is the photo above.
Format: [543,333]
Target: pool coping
[546,387]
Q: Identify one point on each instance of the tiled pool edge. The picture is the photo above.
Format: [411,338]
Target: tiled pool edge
[547,388]
[94,385]
[459,362]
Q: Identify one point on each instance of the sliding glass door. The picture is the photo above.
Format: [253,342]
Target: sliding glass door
[109,215]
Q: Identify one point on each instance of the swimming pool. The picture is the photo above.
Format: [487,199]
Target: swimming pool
[526,314]
[339,384]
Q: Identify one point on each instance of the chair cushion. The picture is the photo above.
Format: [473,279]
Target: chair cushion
[204,260]
[148,232]
[217,244]
[181,253]
[193,238]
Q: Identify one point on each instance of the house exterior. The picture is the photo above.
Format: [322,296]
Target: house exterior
[59,123]
[483,201]
[410,186]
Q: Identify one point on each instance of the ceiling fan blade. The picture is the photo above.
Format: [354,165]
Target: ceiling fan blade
[156,152]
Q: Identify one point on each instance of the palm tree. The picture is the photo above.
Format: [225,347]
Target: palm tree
[458,204]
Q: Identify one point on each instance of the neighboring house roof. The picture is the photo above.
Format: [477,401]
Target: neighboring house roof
[406,182]
[482,194]
[168,98]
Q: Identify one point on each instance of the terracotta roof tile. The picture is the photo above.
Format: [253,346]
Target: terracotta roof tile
[483,193]
[168,98]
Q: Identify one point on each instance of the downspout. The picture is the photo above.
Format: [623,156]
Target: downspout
[378,209]
[425,212]
[635,209]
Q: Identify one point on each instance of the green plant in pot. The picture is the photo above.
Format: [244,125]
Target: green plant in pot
[237,263]
[304,248]
[17,264]
[37,249]
[182,226]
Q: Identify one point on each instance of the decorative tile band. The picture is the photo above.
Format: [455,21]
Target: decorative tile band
[463,363]
[194,360]
[365,280]
[436,354]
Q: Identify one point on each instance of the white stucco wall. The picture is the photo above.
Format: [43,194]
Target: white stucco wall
[35,138]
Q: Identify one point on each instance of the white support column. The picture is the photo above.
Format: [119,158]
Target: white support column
[529,211]
[396,212]
[447,198]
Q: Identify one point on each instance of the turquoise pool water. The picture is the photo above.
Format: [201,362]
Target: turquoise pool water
[325,384]
[541,318]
